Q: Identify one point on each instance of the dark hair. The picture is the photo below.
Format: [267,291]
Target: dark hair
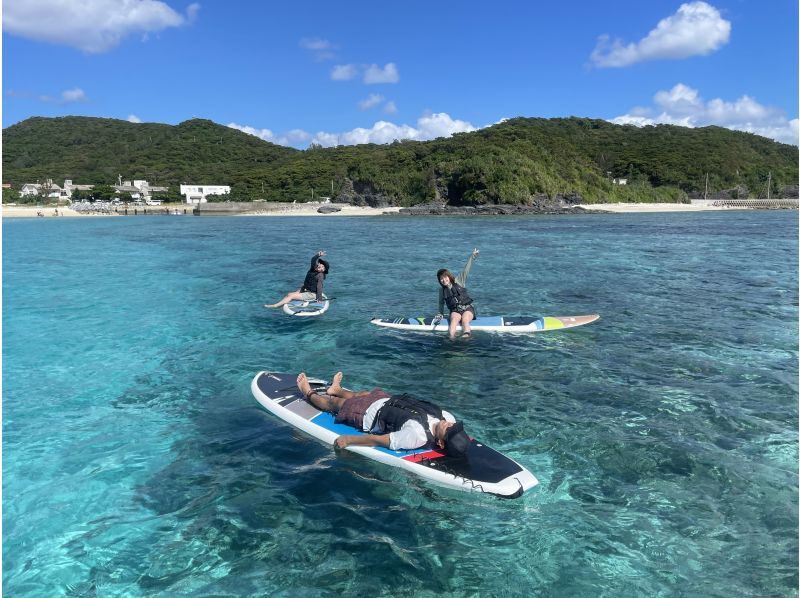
[326,264]
[456,441]
[445,271]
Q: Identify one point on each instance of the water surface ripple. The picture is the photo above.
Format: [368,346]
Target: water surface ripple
[137,463]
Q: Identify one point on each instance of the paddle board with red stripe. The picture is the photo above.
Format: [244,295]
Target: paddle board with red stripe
[482,469]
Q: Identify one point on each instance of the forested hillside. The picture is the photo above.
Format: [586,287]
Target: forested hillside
[518,161]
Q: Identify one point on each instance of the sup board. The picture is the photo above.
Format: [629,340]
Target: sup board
[297,307]
[482,469]
[489,323]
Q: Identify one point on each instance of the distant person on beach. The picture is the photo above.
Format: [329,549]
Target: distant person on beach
[397,423]
[312,285]
[453,293]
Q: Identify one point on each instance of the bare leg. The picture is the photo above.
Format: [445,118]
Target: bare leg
[455,318]
[466,318]
[336,390]
[336,386]
[319,400]
[285,300]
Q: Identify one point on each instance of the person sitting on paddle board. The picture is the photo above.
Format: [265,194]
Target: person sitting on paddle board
[453,293]
[397,423]
[312,285]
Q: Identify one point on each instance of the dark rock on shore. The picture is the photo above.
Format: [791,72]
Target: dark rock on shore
[328,209]
[538,205]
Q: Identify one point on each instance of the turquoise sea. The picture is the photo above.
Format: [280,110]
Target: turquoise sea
[665,436]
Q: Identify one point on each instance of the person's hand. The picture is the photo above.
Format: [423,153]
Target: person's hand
[475,252]
[439,317]
[341,442]
[321,253]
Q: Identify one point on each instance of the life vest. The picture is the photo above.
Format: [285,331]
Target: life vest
[398,410]
[456,295]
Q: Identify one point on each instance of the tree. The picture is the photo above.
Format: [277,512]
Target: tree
[168,196]
[10,196]
[102,193]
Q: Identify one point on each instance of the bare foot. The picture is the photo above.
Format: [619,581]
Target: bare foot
[336,385]
[466,334]
[273,305]
[303,385]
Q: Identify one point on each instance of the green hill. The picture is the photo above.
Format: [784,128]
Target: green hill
[522,160]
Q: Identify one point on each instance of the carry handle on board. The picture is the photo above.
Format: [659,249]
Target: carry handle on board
[306,303]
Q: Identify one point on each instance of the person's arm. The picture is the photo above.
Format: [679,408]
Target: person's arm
[315,259]
[346,440]
[461,279]
[441,302]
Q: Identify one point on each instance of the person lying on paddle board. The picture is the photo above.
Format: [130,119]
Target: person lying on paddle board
[312,285]
[453,293]
[397,423]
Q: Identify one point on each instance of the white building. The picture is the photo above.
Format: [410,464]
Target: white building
[49,190]
[139,189]
[29,189]
[69,188]
[620,181]
[197,193]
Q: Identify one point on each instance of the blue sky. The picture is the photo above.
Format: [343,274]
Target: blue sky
[353,72]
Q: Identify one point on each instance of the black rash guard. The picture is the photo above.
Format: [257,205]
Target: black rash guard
[314,280]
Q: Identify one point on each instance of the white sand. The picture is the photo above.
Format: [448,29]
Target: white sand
[290,210]
[311,210]
[652,207]
[32,212]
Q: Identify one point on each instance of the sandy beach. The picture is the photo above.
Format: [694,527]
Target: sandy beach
[346,210]
[292,210]
[622,208]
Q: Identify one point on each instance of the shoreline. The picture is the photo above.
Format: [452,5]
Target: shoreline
[627,208]
[347,210]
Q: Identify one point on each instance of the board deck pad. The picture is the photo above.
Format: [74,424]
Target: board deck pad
[482,469]
[489,323]
[298,307]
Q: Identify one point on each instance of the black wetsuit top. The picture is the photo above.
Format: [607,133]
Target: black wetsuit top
[314,280]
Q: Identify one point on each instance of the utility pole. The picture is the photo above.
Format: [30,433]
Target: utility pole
[769,182]
[705,195]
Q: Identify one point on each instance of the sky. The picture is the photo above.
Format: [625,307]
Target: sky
[348,72]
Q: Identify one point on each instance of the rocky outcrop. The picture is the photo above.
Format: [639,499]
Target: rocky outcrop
[488,210]
[363,194]
[329,209]
[538,204]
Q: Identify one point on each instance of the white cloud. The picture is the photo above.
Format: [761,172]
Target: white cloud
[315,43]
[344,72]
[683,106]
[370,101]
[696,29]
[68,96]
[93,26]
[429,126]
[73,95]
[390,108]
[320,48]
[374,74]
[293,138]
[132,118]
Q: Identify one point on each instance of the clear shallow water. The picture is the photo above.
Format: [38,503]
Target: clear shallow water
[136,461]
